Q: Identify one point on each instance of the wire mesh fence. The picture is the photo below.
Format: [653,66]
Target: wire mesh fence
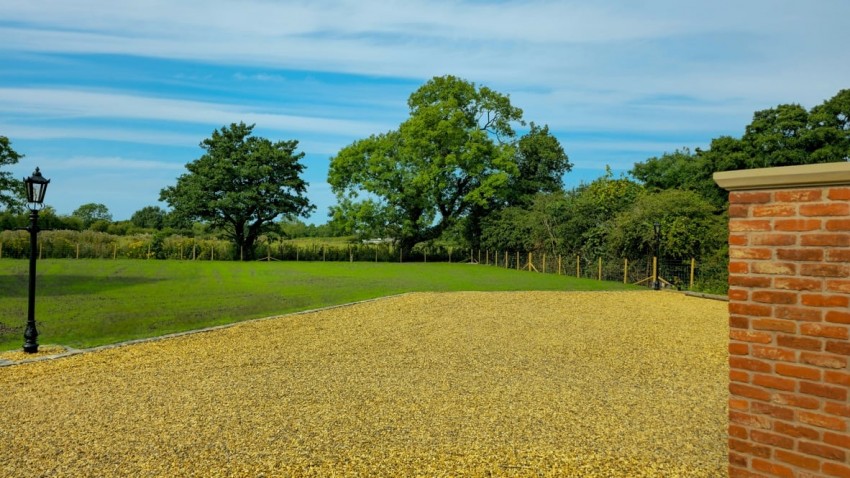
[678,274]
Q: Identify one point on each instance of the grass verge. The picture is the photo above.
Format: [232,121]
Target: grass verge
[86,303]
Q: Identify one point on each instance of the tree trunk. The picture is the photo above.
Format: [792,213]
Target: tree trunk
[406,245]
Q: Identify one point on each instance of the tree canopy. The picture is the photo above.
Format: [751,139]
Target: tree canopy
[91,213]
[149,217]
[11,189]
[241,184]
[781,136]
[455,156]
[541,163]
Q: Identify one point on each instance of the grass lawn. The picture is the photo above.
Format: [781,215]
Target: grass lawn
[85,303]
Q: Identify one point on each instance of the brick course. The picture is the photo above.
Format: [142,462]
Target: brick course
[789,340]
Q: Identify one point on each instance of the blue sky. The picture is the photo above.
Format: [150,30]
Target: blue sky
[111,99]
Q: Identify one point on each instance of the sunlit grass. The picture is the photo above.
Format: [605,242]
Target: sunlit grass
[84,303]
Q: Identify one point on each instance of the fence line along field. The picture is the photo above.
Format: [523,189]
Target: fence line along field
[706,275]
[424,384]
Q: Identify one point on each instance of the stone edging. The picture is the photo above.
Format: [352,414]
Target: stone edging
[702,295]
[69,351]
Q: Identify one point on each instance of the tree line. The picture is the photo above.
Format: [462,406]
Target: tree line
[457,172]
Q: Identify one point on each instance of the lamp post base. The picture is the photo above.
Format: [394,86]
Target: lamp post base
[31,338]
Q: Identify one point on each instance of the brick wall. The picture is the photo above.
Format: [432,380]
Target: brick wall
[789,319]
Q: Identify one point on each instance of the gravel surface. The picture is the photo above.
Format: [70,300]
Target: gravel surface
[589,384]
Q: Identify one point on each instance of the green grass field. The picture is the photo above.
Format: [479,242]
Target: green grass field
[85,303]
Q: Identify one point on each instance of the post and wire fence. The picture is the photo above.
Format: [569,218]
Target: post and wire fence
[686,274]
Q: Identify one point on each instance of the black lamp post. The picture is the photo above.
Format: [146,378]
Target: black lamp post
[657,228]
[36,187]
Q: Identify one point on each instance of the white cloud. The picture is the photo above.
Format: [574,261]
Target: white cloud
[116,163]
[101,133]
[70,104]
[661,71]
[591,45]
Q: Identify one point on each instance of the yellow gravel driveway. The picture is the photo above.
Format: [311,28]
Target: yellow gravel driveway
[427,384]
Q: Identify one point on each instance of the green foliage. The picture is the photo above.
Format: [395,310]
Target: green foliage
[508,230]
[149,217]
[450,155]
[577,222]
[782,136]
[11,190]
[47,220]
[541,163]
[294,228]
[92,213]
[242,184]
[590,211]
[689,226]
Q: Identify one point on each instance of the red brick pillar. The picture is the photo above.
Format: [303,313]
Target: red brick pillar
[789,321]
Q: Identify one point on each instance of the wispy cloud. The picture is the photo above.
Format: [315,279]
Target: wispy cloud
[622,80]
[116,163]
[530,42]
[69,104]
[101,132]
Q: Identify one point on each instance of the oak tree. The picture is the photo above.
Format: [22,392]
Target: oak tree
[455,152]
[241,184]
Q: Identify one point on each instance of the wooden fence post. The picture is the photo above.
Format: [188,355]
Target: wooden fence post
[654,271]
[600,268]
[487,256]
[78,250]
[114,251]
[506,259]
[544,262]
[559,264]
[578,266]
[625,271]
[517,260]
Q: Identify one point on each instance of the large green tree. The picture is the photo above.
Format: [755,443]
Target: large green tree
[689,226]
[785,135]
[454,153]
[11,189]
[578,221]
[241,184]
[542,163]
[92,212]
[149,217]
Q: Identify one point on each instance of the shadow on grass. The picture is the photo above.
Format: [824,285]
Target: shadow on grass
[58,285]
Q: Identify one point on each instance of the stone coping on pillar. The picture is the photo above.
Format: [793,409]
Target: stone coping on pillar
[807,175]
